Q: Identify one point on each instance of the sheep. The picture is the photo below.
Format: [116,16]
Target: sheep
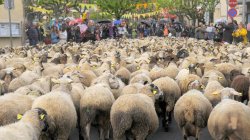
[11,105]
[191,113]
[134,113]
[212,92]
[25,78]
[241,84]
[171,93]
[158,72]
[229,120]
[226,68]
[124,74]
[95,105]
[62,116]
[187,82]
[140,78]
[214,75]
[2,87]
[115,84]
[172,70]
[30,127]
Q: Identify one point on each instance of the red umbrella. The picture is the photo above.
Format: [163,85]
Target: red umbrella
[72,22]
[78,20]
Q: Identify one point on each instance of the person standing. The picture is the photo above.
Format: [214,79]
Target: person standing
[210,32]
[33,35]
[54,35]
[63,35]
[200,31]
[228,31]
[240,34]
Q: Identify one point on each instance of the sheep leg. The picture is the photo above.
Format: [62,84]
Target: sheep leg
[184,133]
[197,137]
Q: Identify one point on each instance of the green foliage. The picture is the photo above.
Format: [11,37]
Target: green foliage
[192,9]
[117,8]
[1,2]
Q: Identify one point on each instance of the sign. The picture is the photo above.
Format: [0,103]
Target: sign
[5,30]
[232,3]
[9,4]
[232,12]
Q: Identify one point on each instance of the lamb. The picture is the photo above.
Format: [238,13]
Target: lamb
[241,84]
[134,113]
[171,93]
[229,123]
[11,105]
[191,113]
[62,117]
[95,105]
[29,127]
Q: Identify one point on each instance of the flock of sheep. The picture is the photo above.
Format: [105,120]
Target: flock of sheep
[124,86]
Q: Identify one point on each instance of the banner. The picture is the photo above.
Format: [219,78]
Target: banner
[144,15]
[42,10]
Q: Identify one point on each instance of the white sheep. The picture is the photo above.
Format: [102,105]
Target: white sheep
[61,110]
[29,127]
[95,105]
[134,113]
[191,113]
[13,104]
[230,120]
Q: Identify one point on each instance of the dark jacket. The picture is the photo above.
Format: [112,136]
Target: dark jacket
[227,34]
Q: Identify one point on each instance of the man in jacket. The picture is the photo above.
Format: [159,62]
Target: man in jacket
[228,31]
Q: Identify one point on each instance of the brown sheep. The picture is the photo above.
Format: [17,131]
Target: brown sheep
[241,84]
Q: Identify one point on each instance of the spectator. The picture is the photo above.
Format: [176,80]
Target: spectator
[210,32]
[78,35]
[54,35]
[218,33]
[228,31]
[165,31]
[141,31]
[33,35]
[200,31]
[240,34]
[63,35]
[178,29]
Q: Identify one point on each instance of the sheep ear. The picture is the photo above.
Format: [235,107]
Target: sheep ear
[237,93]
[216,92]
[42,116]
[19,116]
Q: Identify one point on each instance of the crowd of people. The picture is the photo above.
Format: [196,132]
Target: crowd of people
[62,31]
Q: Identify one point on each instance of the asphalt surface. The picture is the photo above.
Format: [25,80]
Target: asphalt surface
[173,134]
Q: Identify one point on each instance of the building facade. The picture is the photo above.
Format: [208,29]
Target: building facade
[17,17]
[222,8]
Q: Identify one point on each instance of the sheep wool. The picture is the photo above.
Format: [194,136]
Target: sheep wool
[96,103]
[134,113]
[191,113]
[61,113]
[29,127]
[230,120]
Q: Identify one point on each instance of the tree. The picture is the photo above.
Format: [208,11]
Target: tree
[1,2]
[117,8]
[191,9]
[58,6]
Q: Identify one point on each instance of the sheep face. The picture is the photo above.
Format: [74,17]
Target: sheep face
[113,82]
[196,85]
[157,92]
[228,93]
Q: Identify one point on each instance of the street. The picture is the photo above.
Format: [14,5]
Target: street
[174,134]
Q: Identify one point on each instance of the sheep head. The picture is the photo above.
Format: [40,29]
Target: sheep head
[228,93]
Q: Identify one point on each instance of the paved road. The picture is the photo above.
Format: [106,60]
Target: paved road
[173,134]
